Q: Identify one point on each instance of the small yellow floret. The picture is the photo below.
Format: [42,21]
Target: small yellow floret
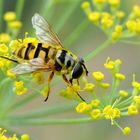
[94,16]
[3,48]
[20,88]
[85,5]
[10,74]
[5,38]
[107,22]
[25,137]
[127,131]
[9,16]
[95,103]
[89,87]
[137,100]
[96,114]
[39,77]
[111,113]
[120,76]
[83,107]
[109,64]
[15,24]
[114,3]
[105,85]
[98,75]
[120,14]
[136,10]
[131,25]
[99,1]
[123,93]
[133,110]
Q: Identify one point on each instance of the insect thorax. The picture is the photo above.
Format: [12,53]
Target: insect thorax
[65,61]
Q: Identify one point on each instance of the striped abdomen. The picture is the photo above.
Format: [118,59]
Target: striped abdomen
[39,51]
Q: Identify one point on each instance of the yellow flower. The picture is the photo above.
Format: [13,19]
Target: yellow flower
[95,103]
[3,48]
[105,85]
[98,75]
[25,137]
[120,14]
[120,76]
[118,28]
[14,44]
[136,85]
[44,91]
[123,93]
[131,25]
[15,24]
[111,113]
[115,36]
[83,107]
[20,88]
[127,131]
[132,110]
[10,74]
[114,3]
[107,22]
[85,5]
[137,100]
[94,16]
[95,114]
[39,77]
[137,28]
[109,64]
[99,1]
[5,38]
[9,16]
[89,87]
[136,10]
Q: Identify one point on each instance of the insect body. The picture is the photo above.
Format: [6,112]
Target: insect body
[48,55]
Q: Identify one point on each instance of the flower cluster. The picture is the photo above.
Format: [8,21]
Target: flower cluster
[108,16]
[108,100]
[14,137]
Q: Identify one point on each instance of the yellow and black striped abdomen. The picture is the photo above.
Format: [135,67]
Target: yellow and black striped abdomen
[31,51]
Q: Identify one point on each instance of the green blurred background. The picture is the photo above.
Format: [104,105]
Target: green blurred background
[65,16]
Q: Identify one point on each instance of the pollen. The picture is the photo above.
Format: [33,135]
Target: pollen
[98,75]
[96,114]
[9,16]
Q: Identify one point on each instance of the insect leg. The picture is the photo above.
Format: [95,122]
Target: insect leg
[49,83]
[70,84]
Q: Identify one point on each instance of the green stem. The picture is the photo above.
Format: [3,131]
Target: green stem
[130,42]
[19,8]
[76,33]
[49,121]
[47,111]
[1,14]
[102,47]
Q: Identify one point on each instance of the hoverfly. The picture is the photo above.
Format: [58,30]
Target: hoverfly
[48,55]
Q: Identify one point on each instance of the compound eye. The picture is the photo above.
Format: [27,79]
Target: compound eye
[78,71]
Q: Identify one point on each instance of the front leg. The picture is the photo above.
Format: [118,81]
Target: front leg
[70,85]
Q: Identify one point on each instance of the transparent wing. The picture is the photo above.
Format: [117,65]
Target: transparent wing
[33,65]
[44,31]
